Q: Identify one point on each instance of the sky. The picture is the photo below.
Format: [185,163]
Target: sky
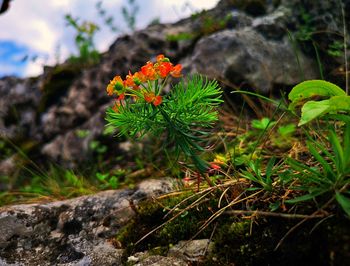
[34,33]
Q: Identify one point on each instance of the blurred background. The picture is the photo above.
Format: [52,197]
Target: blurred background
[34,33]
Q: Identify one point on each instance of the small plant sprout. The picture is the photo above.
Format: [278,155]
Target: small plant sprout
[181,115]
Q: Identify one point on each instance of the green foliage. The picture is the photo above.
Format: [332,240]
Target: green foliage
[263,124]
[182,36]
[306,27]
[97,146]
[336,49]
[286,131]
[332,173]
[190,105]
[85,32]
[254,174]
[314,109]
[82,133]
[302,93]
[129,13]
[208,24]
[108,20]
[108,180]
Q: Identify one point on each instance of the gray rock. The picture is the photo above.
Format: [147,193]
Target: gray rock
[192,250]
[245,56]
[145,259]
[8,166]
[71,232]
[18,101]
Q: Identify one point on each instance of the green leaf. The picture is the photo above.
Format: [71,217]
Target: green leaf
[287,130]
[314,109]
[298,166]
[264,123]
[311,88]
[269,167]
[339,117]
[337,149]
[102,177]
[113,182]
[344,202]
[306,197]
[346,145]
[274,206]
[329,173]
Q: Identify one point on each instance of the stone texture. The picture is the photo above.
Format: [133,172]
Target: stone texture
[192,250]
[18,102]
[71,232]
[244,56]
[145,259]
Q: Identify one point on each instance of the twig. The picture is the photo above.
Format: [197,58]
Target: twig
[302,221]
[275,214]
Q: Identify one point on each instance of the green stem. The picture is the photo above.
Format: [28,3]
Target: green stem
[185,143]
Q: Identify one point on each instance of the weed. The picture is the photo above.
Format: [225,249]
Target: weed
[254,174]
[336,49]
[85,32]
[108,180]
[108,20]
[129,13]
[331,174]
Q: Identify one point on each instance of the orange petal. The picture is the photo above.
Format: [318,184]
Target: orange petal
[157,100]
[149,97]
[176,71]
[160,58]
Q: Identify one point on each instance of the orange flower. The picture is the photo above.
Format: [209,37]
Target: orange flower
[130,82]
[161,58]
[164,69]
[121,97]
[149,71]
[215,166]
[139,78]
[116,84]
[176,71]
[150,97]
[157,100]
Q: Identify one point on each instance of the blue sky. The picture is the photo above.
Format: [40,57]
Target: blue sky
[36,28]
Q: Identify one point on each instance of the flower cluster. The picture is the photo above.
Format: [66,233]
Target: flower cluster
[144,84]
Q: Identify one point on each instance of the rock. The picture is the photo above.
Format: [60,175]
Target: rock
[8,166]
[145,259]
[79,231]
[245,56]
[192,250]
[18,101]
[9,227]
[183,253]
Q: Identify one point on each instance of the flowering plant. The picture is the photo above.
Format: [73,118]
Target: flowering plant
[182,113]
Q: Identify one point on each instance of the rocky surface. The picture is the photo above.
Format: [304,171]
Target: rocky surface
[194,250]
[71,232]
